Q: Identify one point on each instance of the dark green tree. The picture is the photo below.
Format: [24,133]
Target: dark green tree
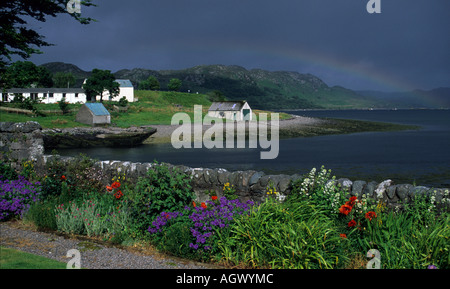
[151,83]
[16,38]
[63,79]
[23,74]
[174,84]
[99,82]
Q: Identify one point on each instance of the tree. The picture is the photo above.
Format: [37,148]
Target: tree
[174,84]
[63,79]
[23,74]
[100,81]
[16,38]
[151,83]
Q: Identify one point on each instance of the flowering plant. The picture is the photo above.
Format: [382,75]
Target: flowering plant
[16,197]
[203,220]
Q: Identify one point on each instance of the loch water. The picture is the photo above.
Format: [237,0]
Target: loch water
[420,157]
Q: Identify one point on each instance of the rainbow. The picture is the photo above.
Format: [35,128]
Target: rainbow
[309,59]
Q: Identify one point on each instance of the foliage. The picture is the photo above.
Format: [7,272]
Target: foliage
[162,190]
[16,196]
[17,37]
[292,234]
[229,191]
[174,84]
[63,79]
[98,82]
[123,102]
[7,172]
[64,106]
[204,222]
[42,215]
[93,217]
[320,188]
[151,83]
[22,74]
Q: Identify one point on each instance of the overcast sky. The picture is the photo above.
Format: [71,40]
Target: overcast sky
[407,46]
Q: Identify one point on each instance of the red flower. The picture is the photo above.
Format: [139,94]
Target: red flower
[352,223]
[370,215]
[345,209]
[193,204]
[63,178]
[343,236]
[118,194]
[115,185]
[214,198]
[203,205]
[109,188]
[353,200]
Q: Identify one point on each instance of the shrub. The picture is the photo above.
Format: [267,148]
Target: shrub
[42,215]
[94,218]
[283,235]
[16,196]
[204,221]
[7,172]
[162,190]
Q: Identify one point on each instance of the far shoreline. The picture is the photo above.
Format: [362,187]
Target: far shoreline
[300,126]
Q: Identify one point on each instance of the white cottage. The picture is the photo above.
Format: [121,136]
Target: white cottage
[72,95]
[232,110]
[46,95]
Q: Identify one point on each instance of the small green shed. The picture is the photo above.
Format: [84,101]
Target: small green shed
[94,113]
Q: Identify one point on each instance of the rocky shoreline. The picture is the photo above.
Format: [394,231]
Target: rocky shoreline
[95,137]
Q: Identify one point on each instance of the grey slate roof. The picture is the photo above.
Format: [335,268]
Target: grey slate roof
[97,108]
[124,82]
[45,90]
[227,106]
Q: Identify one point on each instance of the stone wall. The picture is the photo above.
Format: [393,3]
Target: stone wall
[23,141]
[252,185]
[20,142]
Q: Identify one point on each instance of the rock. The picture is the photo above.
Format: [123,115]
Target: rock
[381,188]
[357,188]
[370,189]
[255,178]
[95,137]
[402,191]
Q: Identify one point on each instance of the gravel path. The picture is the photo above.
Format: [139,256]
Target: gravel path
[94,255]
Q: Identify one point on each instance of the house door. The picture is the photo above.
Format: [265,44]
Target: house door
[246,113]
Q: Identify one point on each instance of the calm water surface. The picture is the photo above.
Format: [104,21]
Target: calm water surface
[414,156]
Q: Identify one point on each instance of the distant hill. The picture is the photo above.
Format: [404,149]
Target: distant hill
[271,89]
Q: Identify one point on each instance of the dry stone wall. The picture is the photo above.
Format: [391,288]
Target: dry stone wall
[23,141]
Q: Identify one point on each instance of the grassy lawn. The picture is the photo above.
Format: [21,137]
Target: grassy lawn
[15,259]
[153,107]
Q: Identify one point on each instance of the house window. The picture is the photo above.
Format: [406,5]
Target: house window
[50,94]
[76,94]
[33,96]
[64,94]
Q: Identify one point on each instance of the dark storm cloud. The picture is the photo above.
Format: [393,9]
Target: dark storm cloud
[336,40]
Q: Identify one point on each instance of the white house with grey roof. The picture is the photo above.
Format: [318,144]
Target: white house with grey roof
[232,110]
[72,95]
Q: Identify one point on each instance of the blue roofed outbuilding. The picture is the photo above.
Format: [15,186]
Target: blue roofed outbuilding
[93,113]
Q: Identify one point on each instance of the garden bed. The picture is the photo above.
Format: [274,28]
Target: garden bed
[317,226]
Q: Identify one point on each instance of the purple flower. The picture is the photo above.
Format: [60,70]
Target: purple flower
[431,267]
[16,196]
